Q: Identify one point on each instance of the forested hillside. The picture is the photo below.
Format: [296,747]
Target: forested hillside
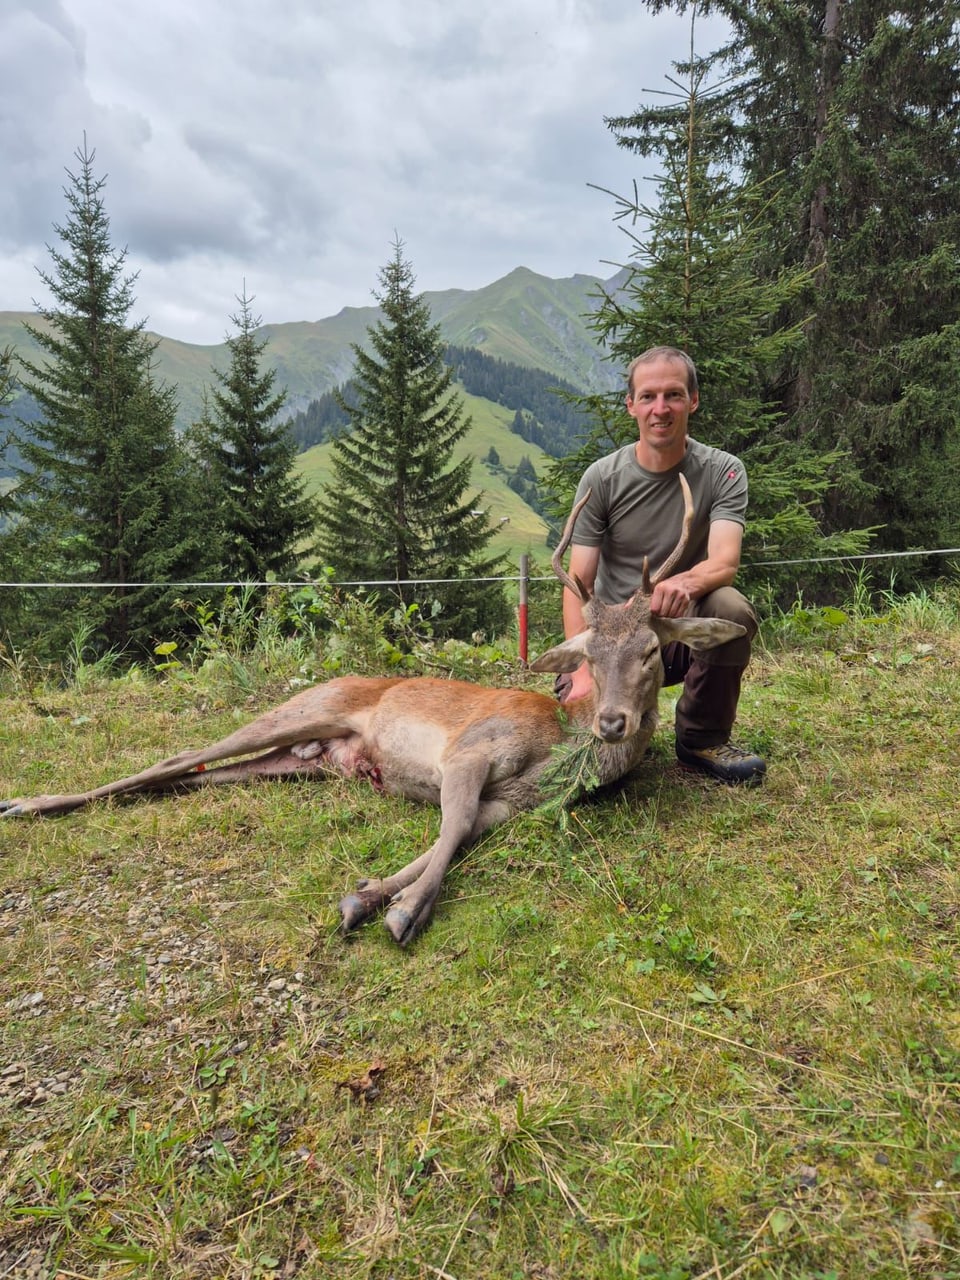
[524,319]
[26,410]
[507,471]
[548,409]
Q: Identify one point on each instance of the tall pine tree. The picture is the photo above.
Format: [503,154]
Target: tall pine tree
[858,103]
[693,283]
[259,514]
[104,495]
[398,507]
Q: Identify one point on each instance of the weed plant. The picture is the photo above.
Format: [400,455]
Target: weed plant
[694,1032]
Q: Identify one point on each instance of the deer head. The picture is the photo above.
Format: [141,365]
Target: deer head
[622,642]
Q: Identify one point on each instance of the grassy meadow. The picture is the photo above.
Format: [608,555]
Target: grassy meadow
[686,1033]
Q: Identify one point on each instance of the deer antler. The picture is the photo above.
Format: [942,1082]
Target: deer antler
[667,567]
[571,583]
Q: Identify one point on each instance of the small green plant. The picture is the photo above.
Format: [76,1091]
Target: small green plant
[214,1065]
[165,652]
[527,1145]
[57,1198]
[18,669]
[681,945]
[81,665]
[802,623]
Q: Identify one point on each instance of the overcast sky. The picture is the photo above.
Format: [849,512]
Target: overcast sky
[285,143]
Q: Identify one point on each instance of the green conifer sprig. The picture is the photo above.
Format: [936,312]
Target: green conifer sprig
[574,769]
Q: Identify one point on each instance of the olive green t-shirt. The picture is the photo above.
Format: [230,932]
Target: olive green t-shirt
[634,513]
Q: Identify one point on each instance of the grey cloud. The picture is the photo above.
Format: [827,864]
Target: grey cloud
[40,71]
[285,144]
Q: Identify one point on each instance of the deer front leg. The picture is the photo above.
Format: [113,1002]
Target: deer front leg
[412,891]
[371,896]
[462,820]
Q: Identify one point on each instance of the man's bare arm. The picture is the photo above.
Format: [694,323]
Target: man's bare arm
[674,596]
[583,564]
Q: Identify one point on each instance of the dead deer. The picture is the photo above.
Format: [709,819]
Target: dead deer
[478,752]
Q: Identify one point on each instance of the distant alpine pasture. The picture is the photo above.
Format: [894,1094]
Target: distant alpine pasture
[517,345]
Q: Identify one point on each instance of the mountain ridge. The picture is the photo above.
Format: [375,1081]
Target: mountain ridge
[523,318]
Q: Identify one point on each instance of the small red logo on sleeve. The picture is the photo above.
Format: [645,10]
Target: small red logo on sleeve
[731,474]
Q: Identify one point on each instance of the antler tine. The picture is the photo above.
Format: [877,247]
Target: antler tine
[667,567]
[571,583]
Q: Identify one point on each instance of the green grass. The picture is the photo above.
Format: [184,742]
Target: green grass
[693,1032]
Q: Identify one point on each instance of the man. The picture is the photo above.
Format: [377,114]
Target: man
[635,510]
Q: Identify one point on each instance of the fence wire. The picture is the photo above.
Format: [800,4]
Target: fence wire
[429,582]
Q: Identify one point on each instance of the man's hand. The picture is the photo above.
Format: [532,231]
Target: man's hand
[581,683]
[674,597]
[671,598]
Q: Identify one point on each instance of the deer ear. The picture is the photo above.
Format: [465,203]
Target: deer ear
[562,657]
[696,633]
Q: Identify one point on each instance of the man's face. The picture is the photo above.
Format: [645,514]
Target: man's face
[661,406]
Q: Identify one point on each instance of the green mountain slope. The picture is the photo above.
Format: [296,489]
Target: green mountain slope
[524,318]
[530,320]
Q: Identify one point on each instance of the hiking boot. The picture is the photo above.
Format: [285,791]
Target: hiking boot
[725,762]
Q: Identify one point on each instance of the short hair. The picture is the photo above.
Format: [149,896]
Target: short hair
[665,353]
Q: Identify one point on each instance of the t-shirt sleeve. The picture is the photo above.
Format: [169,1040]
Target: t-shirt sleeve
[592,521]
[729,490]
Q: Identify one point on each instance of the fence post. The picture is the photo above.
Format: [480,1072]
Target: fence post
[524,580]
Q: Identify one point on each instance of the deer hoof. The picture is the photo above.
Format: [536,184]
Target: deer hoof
[401,925]
[355,908]
[405,920]
[11,808]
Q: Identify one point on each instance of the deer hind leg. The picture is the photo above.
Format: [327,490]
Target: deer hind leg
[276,730]
[272,765]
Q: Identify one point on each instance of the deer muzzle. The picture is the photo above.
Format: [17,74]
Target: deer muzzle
[611,726]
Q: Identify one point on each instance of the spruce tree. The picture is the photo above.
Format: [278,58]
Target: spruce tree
[8,387]
[11,600]
[858,102]
[7,380]
[398,507]
[104,492]
[693,283]
[259,514]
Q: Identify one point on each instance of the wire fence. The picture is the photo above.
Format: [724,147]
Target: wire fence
[166,584]
[523,579]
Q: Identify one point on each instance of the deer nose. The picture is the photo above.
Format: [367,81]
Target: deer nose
[612,725]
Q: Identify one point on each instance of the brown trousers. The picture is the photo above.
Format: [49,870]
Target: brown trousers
[711,679]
